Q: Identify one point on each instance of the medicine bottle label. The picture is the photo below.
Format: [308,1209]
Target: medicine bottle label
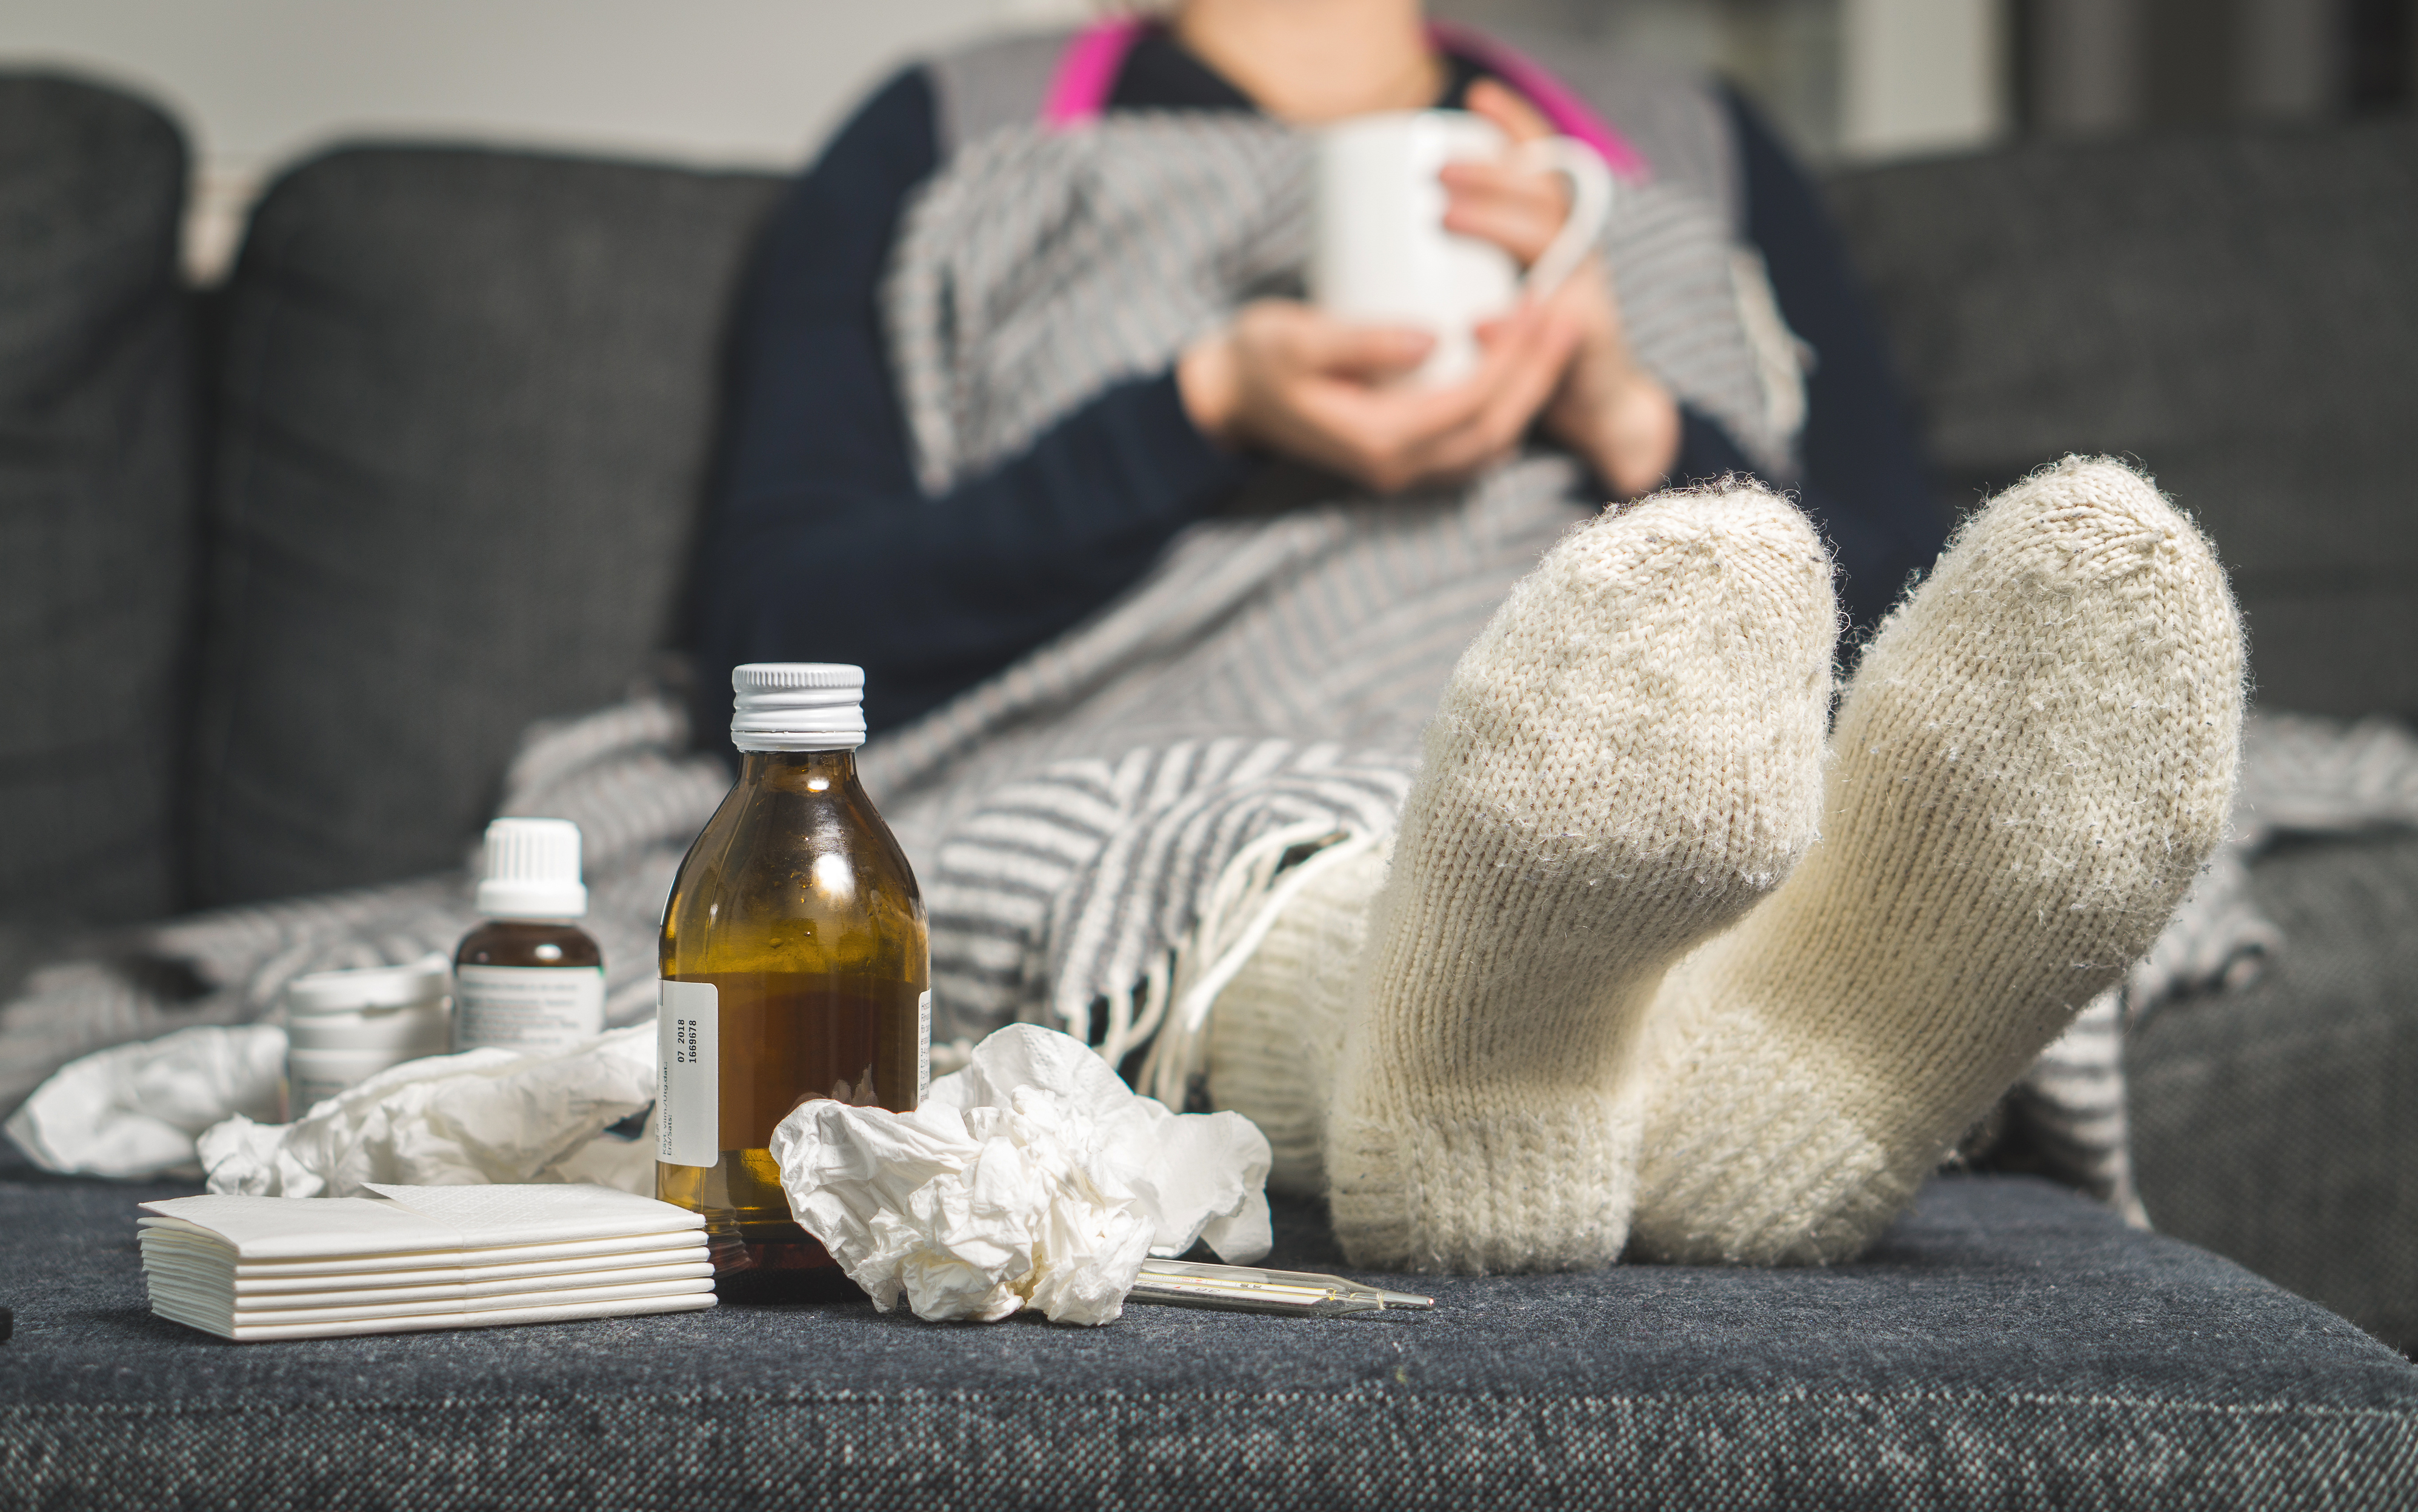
[527,1007]
[923,1049]
[688,1064]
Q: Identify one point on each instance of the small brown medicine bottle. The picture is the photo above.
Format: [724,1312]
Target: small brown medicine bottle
[529,978]
[796,964]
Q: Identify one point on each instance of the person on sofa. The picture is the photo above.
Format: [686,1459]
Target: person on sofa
[1642,960]
[950,586]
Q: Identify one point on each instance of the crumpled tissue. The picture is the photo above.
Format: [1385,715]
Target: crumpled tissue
[456,1121]
[133,1110]
[1033,1177]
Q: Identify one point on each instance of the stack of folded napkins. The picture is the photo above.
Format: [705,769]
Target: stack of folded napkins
[420,1257]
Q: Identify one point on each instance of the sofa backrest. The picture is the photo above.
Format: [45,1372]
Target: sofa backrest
[97,502]
[464,419]
[2237,310]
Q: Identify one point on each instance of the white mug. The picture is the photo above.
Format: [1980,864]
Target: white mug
[1380,253]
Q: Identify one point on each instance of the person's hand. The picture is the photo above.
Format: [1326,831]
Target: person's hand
[1286,377]
[1604,406]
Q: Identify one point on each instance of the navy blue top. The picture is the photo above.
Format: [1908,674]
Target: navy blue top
[819,545]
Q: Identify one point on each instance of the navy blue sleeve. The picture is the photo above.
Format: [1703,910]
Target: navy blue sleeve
[1706,450]
[819,546]
[1864,479]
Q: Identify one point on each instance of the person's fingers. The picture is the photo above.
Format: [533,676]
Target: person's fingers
[1282,338]
[1208,381]
[1509,110]
[1434,411]
[1538,355]
[1531,378]
[1522,371]
[1523,229]
[1388,437]
[1353,431]
[1398,419]
[1422,435]
[1519,210]
[1473,181]
[1297,370]
[1393,436]
[1507,337]
[1318,342]
[1586,298]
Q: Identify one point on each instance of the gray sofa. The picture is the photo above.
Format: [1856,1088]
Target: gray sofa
[2239,311]
[285,570]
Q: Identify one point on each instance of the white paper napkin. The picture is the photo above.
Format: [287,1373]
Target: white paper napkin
[248,1267]
[474,1117]
[1033,1177]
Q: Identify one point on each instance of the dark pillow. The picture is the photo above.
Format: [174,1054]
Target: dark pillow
[2238,310]
[96,501]
[467,403]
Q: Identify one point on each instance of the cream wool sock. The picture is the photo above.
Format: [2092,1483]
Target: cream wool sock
[2035,757]
[1626,759]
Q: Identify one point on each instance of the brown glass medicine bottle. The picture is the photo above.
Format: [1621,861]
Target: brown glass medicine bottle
[529,979]
[795,963]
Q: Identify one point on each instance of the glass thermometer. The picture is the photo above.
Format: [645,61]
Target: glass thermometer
[1248,1288]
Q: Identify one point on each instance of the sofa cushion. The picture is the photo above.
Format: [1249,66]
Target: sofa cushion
[2276,1125]
[2008,1344]
[467,399]
[2237,310]
[96,502]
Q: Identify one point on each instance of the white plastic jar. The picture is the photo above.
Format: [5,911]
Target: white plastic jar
[343,1027]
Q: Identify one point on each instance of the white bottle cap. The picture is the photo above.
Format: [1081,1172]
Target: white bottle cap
[533,871]
[797,706]
[424,981]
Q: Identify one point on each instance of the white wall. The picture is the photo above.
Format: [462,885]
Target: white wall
[1922,76]
[259,82]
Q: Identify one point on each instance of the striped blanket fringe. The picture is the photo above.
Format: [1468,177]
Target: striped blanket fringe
[1250,896]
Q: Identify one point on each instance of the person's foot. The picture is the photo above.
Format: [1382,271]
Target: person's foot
[1627,759]
[2035,757]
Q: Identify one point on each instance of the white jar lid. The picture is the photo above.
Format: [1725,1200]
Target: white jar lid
[797,706]
[533,871]
[426,980]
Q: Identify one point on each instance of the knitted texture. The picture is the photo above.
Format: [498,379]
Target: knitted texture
[1628,757]
[2036,755]
[1278,1027]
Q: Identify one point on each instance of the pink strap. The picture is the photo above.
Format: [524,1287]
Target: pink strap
[1087,70]
[1559,104]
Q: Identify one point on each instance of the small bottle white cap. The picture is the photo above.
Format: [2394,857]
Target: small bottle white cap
[797,706]
[424,981]
[533,871]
